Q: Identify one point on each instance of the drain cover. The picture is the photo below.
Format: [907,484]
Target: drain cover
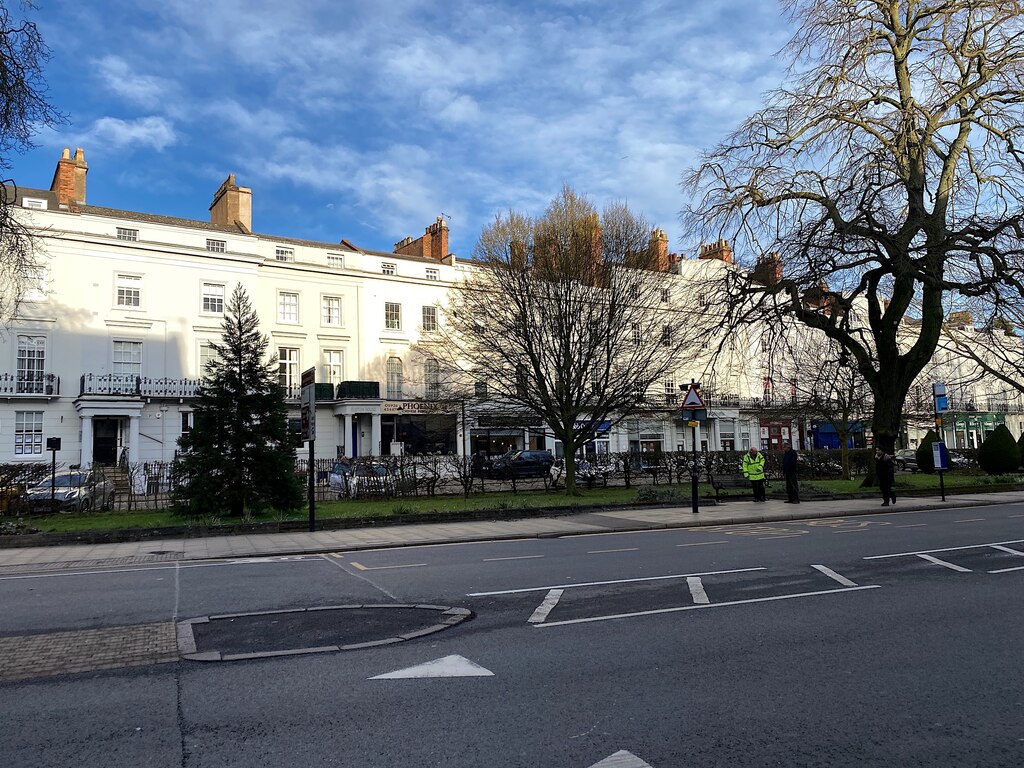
[310,630]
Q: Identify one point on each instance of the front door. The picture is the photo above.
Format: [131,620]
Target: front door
[105,433]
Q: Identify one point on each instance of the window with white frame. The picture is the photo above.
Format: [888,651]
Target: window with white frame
[217,246]
[330,310]
[334,366]
[431,379]
[33,202]
[480,389]
[288,369]
[392,316]
[129,291]
[666,335]
[288,307]
[187,421]
[433,274]
[671,393]
[395,379]
[207,354]
[127,358]
[123,233]
[335,261]
[638,334]
[284,254]
[387,267]
[665,294]
[429,319]
[28,433]
[213,298]
[31,364]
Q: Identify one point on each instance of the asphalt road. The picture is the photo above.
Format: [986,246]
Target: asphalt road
[890,640]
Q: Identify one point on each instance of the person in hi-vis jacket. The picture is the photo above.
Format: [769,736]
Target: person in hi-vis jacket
[753,470]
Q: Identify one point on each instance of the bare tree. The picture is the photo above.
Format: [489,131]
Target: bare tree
[884,175]
[569,317]
[24,110]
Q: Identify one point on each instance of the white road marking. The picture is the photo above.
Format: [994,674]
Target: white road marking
[945,564]
[550,601]
[605,551]
[520,557]
[700,597]
[912,525]
[700,607]
[604,583]
[972,520]
[1015,515]
[947,549]
[362,567]
[1001,548]
[853,530]
[179,564]
[701,543]
[781,536]
[622,759]
[1007,570]
[833,575]
[449,666]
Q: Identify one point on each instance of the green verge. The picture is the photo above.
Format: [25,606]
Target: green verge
[500,504]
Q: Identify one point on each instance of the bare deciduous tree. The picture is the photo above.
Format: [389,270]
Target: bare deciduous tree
[886,174]
[24,110]
[565,317]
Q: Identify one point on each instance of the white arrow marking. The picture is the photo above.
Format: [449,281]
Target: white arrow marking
[449,666]
[622,759]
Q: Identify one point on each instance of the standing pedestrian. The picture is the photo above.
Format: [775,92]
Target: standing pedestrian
[886,470]
[753,470]
[789,467]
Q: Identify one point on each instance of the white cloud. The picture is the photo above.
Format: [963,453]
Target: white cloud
[110,133]
[145,90]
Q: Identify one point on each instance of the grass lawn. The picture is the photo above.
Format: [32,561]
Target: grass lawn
[502,503]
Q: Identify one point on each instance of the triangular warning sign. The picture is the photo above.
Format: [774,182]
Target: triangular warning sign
[692,399]
[449,666]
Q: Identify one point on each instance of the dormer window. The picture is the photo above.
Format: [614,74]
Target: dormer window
[127,234]
[387,268]
[217,246]
[33,202]
[433,274]
[284,254]
[335,261]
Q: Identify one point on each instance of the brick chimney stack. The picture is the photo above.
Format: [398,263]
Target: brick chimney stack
[658,246]
[433,244]
[720,250]
[69,178]
[768,270]
[232,205]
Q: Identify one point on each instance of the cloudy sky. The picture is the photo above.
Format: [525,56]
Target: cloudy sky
[366,119]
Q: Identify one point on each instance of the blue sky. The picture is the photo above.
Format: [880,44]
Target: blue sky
[365,119]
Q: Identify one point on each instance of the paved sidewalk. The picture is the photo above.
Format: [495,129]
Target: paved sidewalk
[592,522]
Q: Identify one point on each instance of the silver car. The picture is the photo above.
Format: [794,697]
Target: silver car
[71,492]
[361,480]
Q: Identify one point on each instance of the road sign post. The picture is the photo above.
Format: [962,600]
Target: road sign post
[939,448]
[693,410]
[308,414]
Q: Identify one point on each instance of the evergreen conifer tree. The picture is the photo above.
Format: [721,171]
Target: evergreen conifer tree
[923,454]
[999,454]
[240,455]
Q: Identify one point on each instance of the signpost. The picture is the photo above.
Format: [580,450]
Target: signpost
[939,454]
[53,445]
[308,415]
[693,411]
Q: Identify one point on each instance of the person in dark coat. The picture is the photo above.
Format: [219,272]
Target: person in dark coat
[789,467]
[886,470]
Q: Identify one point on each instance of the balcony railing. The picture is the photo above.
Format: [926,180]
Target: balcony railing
[30,384]
[137,386]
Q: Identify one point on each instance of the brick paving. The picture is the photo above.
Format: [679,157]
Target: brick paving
[60,653]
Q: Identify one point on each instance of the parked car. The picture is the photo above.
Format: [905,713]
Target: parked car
[71,492]
[522,464]
[958,460]
[905,458]
[355,481]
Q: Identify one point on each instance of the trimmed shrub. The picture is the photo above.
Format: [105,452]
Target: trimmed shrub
[925,459]
[999,454]
[1020,444]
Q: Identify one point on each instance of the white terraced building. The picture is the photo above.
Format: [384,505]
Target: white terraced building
[107,349]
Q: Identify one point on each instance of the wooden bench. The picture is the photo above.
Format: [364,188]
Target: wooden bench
[728,482]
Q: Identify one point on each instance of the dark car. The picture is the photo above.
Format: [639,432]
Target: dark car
[71,492]
[905,459]
[522,464]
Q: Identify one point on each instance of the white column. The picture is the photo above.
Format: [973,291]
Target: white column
[86,446]
[375,448]
[346,435]
[133,439]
